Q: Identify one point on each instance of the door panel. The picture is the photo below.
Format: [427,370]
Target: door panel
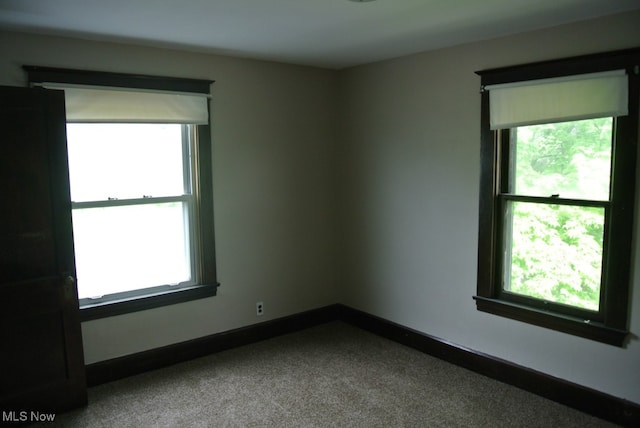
[41,342]
[41,329]
[27,248]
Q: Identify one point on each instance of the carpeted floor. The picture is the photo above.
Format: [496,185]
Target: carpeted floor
[333,375]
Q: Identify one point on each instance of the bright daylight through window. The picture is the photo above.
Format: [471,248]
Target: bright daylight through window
[553,251]
[132,206]
[557,189]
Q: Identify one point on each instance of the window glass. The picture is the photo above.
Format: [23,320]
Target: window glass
[126,248]
[124,239]
[569,159]
[124,160]
[554,252]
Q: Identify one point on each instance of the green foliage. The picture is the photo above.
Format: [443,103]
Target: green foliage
[572,159]
[555,255]
[556,250]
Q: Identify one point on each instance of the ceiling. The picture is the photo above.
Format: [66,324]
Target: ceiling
[324,33]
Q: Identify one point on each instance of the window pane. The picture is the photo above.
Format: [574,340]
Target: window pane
[570,159]
[124,160]
[130,247]
[554,252]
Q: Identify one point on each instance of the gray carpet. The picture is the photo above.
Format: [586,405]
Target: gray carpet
[333,375]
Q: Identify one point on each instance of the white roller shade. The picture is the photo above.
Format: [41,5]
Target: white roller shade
[577,97]
[107,105]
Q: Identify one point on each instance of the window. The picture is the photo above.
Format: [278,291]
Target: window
[148,205]
[141,193]
[559,147]
[552,243]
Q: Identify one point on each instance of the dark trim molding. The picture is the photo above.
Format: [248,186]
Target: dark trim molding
[572,325]
[129,365]
[167,296]
[581,398]
[38,74]
[600,61]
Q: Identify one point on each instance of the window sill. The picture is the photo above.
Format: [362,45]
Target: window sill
[148,301]
[566,324]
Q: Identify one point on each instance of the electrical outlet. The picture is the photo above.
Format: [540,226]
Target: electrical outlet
[259,308]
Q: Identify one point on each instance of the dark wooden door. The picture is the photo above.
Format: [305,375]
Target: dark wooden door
[41,357]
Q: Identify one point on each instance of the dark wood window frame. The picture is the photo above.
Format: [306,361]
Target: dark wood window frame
[127,302]
[610,325]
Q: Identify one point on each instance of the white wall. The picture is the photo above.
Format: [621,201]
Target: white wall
[410,166]
[273,136]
